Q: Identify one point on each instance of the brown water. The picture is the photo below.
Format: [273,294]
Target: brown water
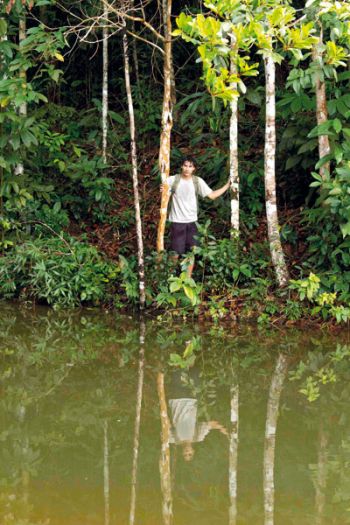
[82,431]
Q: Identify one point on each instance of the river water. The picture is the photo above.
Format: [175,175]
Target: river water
[107,421]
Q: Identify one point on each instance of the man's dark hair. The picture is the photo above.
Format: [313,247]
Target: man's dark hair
[189,159]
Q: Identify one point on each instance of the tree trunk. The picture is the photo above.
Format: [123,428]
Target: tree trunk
[234,175]
[105,84]
[3,77]
[106,472]
[164,460]
[140,257]
[19,168]
[270,437]
[136,61]
[167,122]
[276,250]
[137,422]
[321,104]
[233,453]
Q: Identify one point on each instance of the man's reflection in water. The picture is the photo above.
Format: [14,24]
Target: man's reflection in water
[186,429]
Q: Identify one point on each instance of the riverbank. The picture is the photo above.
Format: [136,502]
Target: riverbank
[232,281]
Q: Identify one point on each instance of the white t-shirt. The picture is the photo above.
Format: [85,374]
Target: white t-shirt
[183,414]
[184,202]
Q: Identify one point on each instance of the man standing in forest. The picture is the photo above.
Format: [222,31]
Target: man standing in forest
[185,189]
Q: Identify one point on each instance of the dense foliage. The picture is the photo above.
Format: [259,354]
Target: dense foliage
[67,215]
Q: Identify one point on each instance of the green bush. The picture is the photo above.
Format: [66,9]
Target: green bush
[223,263]
[57,271]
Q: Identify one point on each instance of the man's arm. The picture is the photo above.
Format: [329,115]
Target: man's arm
[215,425]
[217,193]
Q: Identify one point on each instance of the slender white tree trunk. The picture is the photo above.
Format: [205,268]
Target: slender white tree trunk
[270,436]
[164,460]
[2,77]
[321,103]
[233,455]
[134,51]
[106,472]
[105,84]
[136,60]
[23,110]
[234,174]
[167,123]
[276,250]
[140,256]
[137,422]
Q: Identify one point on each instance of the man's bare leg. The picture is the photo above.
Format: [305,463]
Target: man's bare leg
[190,269]
[188,265]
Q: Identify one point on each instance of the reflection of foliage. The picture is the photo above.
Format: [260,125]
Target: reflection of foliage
[42,361]
[64,375]
[320,369]
[188,357]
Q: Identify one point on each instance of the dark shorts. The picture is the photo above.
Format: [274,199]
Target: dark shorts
[183,236]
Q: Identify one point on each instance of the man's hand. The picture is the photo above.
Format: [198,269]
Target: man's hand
[217,193]
[215,425]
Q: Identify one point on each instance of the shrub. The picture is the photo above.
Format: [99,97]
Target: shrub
[57,271]
[223,264]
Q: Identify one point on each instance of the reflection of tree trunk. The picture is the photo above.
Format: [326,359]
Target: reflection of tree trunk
[270,436]
[140,257]
[167,123]
[137,422]
[105,84]
[164,460]
[233,455]
[106,471]
[276,250]
[25,476]
[321,477]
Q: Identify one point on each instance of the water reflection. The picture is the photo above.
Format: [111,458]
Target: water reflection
[186,427]
[106,420]
[164,459]
[141,365]
[321,475]
[233,450]
[273,403]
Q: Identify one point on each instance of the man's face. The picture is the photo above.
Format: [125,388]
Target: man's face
[188,169]
[188,451]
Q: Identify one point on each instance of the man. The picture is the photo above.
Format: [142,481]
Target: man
[184,209]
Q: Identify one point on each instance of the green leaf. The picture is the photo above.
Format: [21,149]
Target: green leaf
[190,294]
[254,97]
[175,286]
[345,229]
[54,74]
[309,145]
[189,350]
[342,108]
[116,117]
[292,161]
[337,125]
[3,27]
[323,161]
